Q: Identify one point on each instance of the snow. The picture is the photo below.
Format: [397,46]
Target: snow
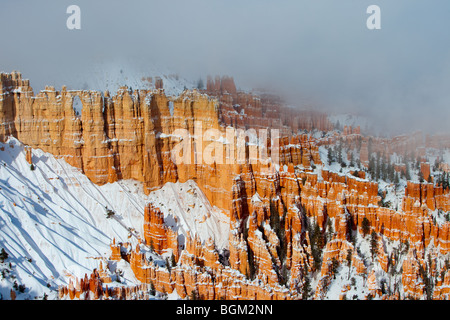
[445,156]
[352,120]
[186,208]
[171,108]
[173,296]
[77,105]
[357,284]
[55,216]
[53,222]
[111,75]
[256,198]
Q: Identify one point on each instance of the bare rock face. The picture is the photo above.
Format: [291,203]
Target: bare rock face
[157,234]
[425,170]
[115,251]
[238,259]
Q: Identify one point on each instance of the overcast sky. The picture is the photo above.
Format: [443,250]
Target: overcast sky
[320,52]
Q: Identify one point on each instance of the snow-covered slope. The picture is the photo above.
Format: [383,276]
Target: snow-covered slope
[193,212]
[111,75]
[53,222]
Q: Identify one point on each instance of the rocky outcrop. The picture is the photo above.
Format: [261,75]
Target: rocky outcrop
[412,282]
[220,85]
[157,235]
[261,111]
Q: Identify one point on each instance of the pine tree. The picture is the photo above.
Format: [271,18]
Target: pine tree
[339,153]
[421,180]
[372,167]
[306,290]
[194,295]
[173,261]
[373,244]
[274,217]
[383,169]
[200,84]
[3,255]
[445,184]
[152,290]
[330,230]
[330,156]
[390,173]
[109,213]
[365,226]
[378,168]
[252,267]
[319,237]
[436,164]
[349,261]
[351,233]
[334,266]
[316,240]
[396,179]
[277,224]
[407,172]
[164,293]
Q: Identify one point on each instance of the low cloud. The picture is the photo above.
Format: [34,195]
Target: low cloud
[317,53]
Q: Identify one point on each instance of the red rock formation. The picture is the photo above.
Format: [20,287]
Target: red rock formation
[115,251]
[156,234]
[220,85]
[412,282]
[442,288]
[28,155]
[238,259]
[159,83]
[382,255]
[425,170]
